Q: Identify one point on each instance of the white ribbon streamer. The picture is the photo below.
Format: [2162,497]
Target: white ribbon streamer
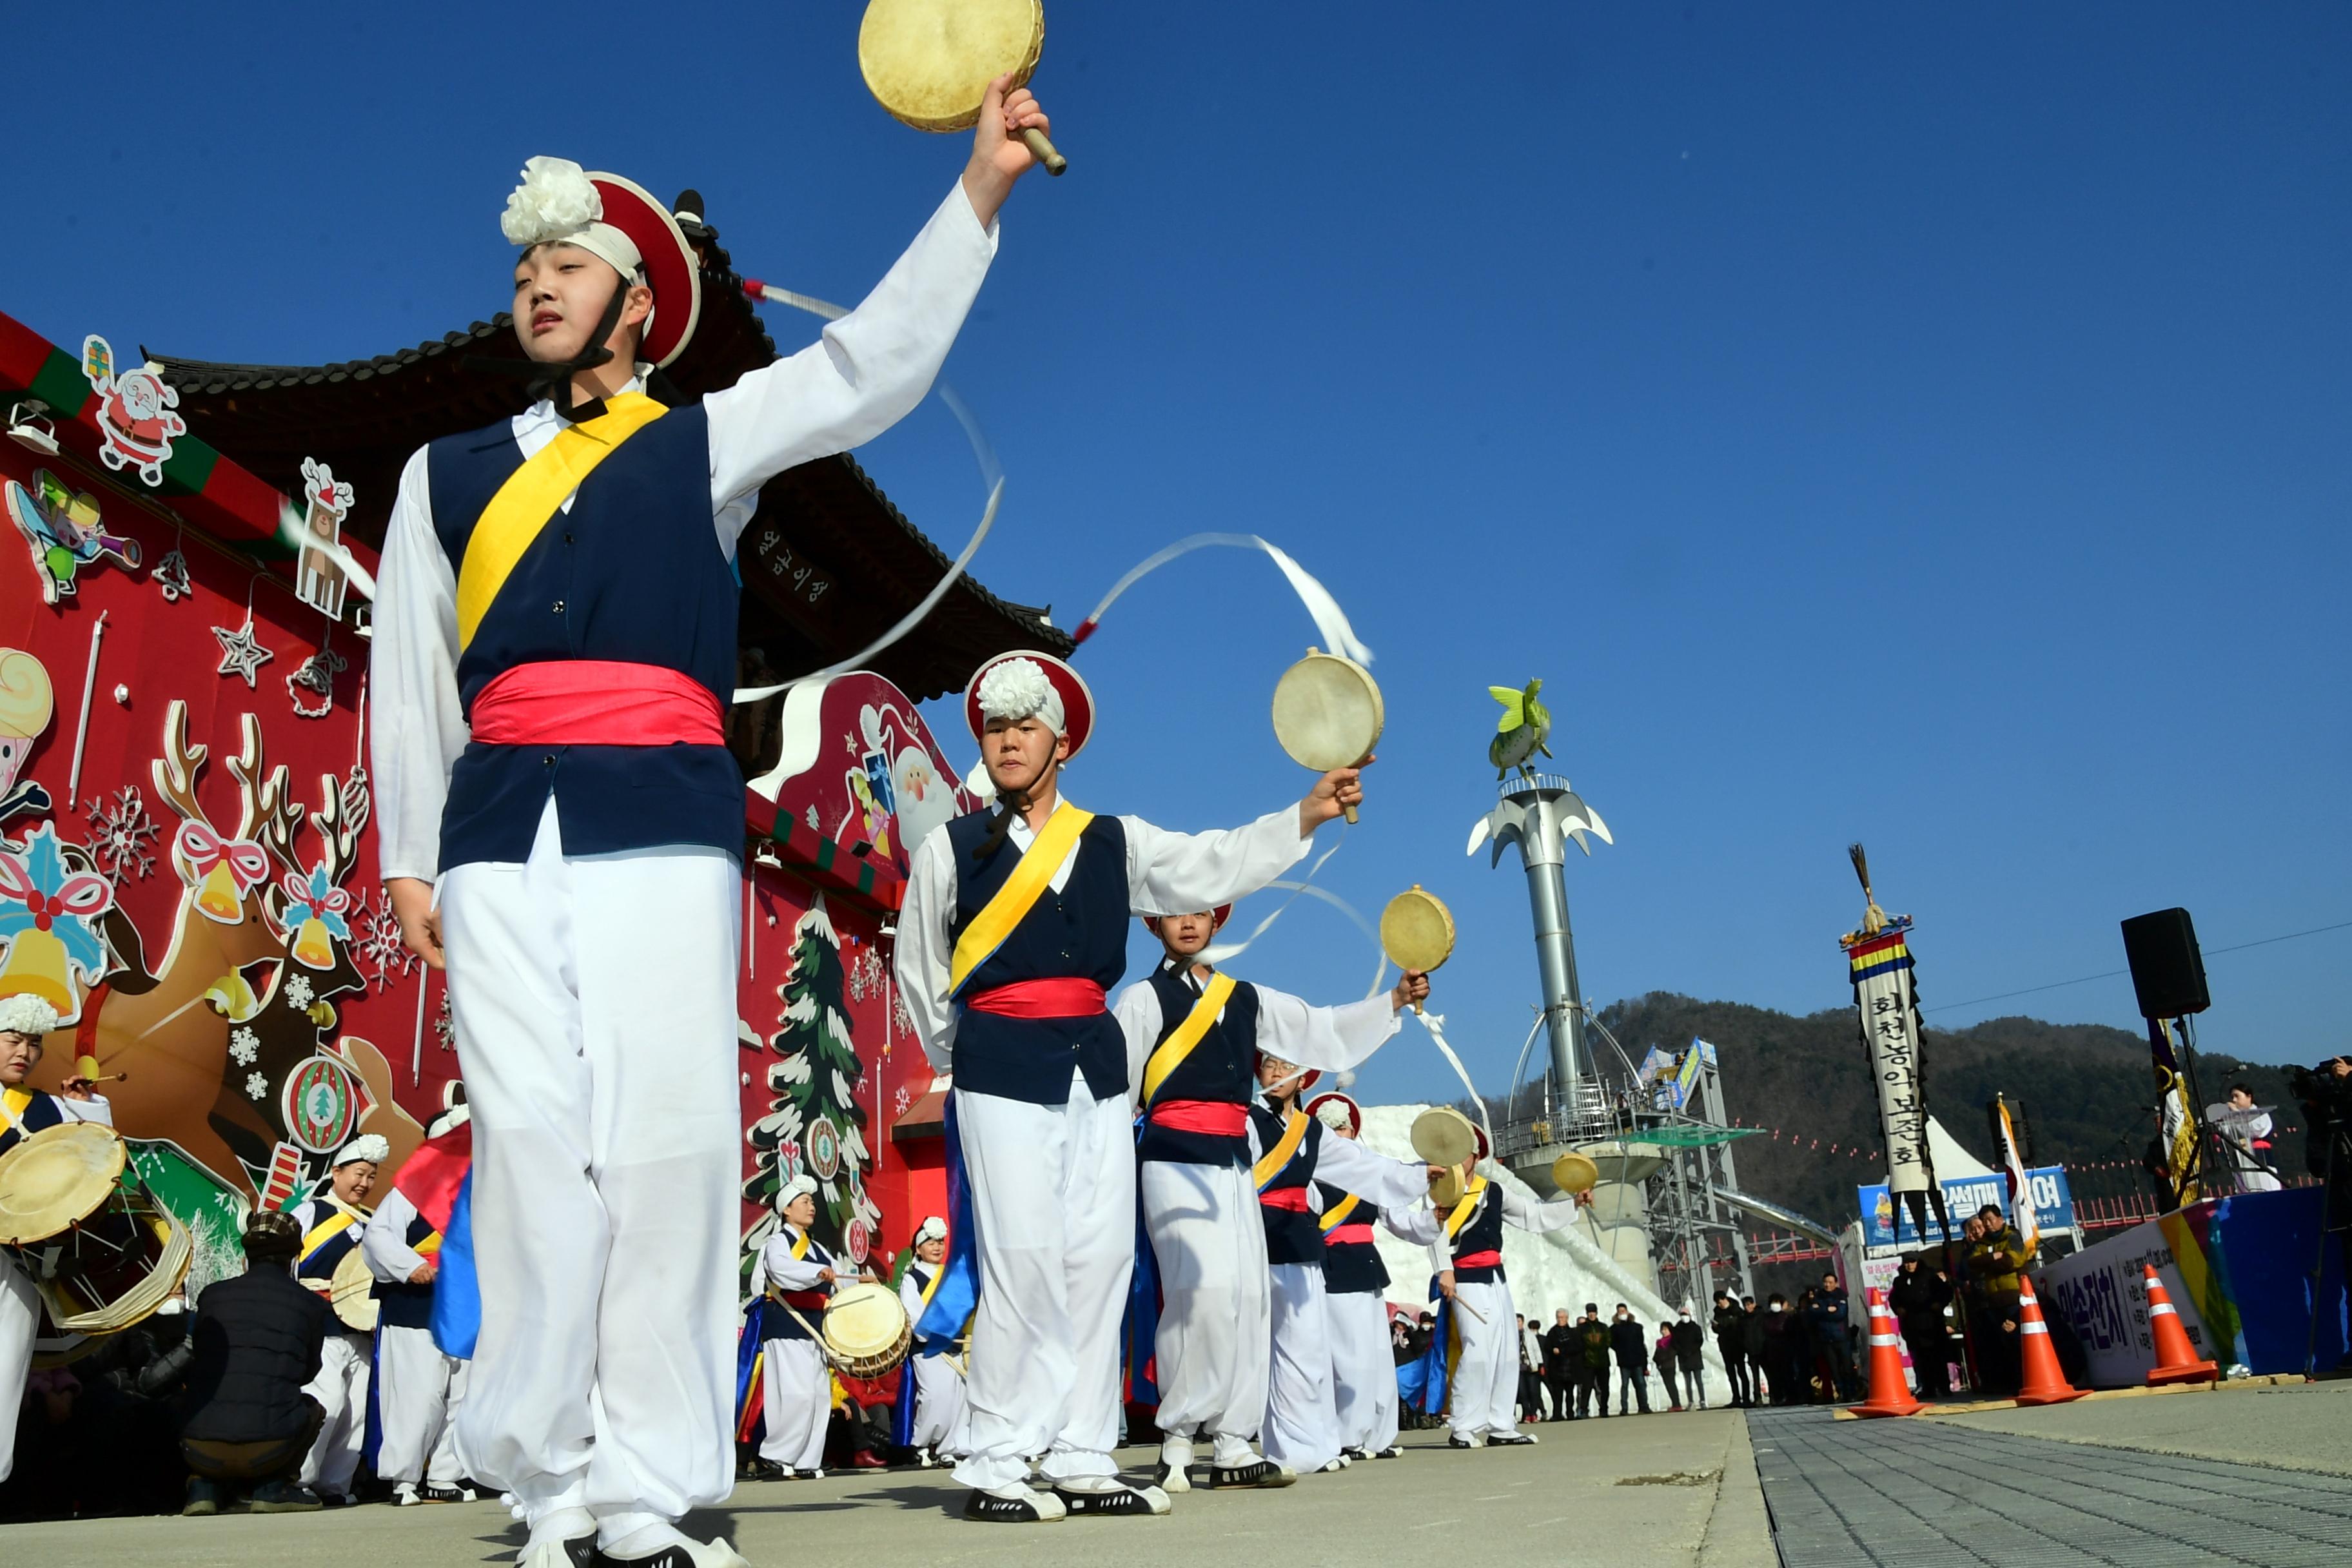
[992,474]
[1435,1024]
[1330,621]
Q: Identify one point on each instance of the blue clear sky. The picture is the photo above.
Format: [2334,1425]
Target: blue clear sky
[1928,428]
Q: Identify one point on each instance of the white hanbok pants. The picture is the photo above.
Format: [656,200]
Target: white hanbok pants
[1363,1368]
[20,1322]
[1302,1419]
[595,1005]
[796,1396]
[940,1413]
[1053,1200]
[1215,1342]
[342,1390]
[419,1393]
[1483,1398]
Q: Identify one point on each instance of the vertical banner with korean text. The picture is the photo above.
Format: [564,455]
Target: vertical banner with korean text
[1886,997]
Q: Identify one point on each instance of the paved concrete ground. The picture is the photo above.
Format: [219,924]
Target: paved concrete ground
[1672,1491]
[2261,1477]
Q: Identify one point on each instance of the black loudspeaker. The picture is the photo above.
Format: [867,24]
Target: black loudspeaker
[2168,972]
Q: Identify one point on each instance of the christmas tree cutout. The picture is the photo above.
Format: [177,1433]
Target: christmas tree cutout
[813,1122]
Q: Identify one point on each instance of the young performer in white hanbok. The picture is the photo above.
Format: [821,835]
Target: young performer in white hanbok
[796,1273]
[1465,1251]
[939,1429]
[1014,929]
[1355,1302]
[24,1022]
[419,1390]
[333,1224]
[1289,1151]
[1193,1039]
[555,652]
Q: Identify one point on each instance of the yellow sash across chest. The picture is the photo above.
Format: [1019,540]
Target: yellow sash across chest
[1019,893]
[1169,1054]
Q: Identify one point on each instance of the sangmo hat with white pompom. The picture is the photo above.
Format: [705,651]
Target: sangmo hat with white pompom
[559,203]
[1026,684]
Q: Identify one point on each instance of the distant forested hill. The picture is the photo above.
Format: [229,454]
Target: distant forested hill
[2085,1088]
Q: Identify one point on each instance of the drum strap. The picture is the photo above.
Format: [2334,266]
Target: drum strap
[1171,1052]
[325,1231]
[1293,1133]
[531,495]
[1339,1212]
[994,922]
[1470,1193]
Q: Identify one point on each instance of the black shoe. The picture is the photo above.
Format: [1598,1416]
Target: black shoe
[1391,1452]
[1509,1439]
[1452,1442]
[204,1499]
[1262,1473]
[1354,1453]
[767,1470]
[284,1496]
[1120,1499]
[431,1493]
[1031,1508]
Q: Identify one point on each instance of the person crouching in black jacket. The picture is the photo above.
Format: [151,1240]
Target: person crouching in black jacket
[259,1338]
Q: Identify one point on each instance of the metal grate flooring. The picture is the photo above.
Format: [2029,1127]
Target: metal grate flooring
[1925,1494]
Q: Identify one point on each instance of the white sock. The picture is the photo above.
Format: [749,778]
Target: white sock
[561,1524]
[1176,1451]
[637,1535]
[1231,1452]
[1089,1484]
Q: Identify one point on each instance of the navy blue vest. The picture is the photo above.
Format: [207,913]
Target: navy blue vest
[1222,1068]
[1080,932]
[1351,1268]
[402,1305]
[320,1264]
[1482,1232]
[775,1322]
[1292,1235]
[634,574]
[40,1114]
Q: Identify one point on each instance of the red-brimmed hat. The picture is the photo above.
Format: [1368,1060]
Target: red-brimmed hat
[1355,1112]
[1077,701]
[671,269]
[1217,918]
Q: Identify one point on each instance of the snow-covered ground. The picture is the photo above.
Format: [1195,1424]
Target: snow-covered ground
[1564,1268]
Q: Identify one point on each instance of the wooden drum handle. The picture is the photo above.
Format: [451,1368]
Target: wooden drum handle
[1043,152]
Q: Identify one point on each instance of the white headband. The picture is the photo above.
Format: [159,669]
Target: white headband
[557,204]
[933,1228]
[1019,688]
[801,1185]
[372,1147]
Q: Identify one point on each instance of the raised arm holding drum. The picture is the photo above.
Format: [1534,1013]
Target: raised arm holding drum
[1013,930]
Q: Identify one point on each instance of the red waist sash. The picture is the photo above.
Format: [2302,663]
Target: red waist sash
[596,702]
[802,1301]
[1285,1198]
[1055,996]
[1340,1235]
[1478,1261]
[1215,1118]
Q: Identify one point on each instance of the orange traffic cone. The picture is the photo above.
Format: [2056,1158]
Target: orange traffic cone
[1889,1394]
[2176,1358]
[2043,1383]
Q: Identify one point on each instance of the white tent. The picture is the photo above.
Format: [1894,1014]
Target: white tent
[1564,1268]
[1952,1162]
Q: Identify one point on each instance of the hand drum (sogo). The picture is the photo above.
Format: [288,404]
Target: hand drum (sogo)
[1573,1173]
[1444,1136]
[1327,713]
[1417,931]
[930,62]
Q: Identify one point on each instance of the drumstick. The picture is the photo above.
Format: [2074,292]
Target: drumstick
[1469,1309]
[822,1348]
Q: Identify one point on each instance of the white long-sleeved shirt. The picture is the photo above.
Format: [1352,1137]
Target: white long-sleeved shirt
[1427,1226]
[94,1109]
[1344,1164]
[385,1243]
[780,1271]
[863,375]
[1329,1039]
[1167,874]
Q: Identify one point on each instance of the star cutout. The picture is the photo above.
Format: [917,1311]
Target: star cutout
[240,653]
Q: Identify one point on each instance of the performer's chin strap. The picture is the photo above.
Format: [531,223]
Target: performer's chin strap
[553,382]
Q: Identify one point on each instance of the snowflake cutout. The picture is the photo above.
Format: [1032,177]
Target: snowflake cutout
[257,1084]
[244,1045]
[865,976]
[379,942]
[299,991]
[171,574]
[122,835]
[445,1029]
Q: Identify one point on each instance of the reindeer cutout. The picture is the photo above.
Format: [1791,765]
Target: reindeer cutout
[230,1039]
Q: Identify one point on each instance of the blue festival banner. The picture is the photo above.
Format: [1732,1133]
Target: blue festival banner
[1884,1225]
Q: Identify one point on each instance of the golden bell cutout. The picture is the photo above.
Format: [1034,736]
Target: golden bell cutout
[217,896]
[37,966]
[313,947]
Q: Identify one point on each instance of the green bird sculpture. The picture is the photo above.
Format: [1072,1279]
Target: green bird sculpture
[1526,727]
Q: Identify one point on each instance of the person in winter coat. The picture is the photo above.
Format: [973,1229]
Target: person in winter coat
[1592,1342]
[1662,1356]
[1690,1356]
[1832,1344]
[1631,1349]
[259,1338]
[1917,1296]
[1560,1361]
[1783,1351]
[1758,1345]
[1729,1324]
